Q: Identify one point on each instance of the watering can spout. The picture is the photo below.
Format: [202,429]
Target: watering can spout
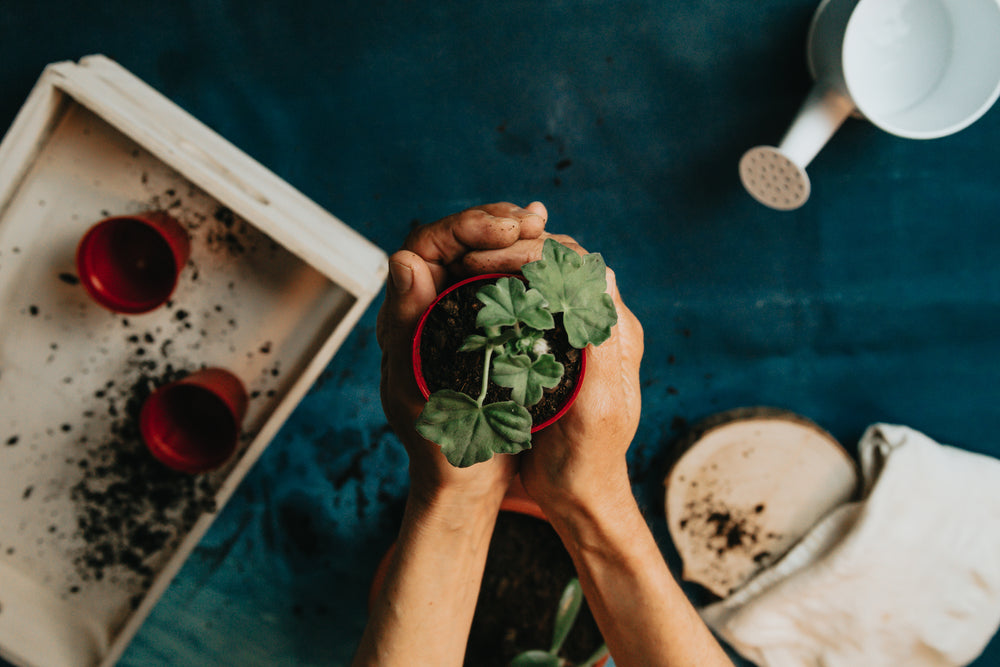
[776,176]
[918,69]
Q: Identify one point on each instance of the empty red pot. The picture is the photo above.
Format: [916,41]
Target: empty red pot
[193,424]
[130,263]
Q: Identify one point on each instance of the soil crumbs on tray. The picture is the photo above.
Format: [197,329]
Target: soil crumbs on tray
[129,512]
[131,507]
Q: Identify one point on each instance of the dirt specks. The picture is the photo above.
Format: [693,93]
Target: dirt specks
[735,537]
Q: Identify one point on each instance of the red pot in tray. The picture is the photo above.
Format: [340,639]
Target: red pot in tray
[130,263]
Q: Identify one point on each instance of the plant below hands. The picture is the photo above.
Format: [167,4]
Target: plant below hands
[566,613]
[516,355]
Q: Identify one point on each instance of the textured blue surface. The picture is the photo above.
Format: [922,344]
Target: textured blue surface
[877,301]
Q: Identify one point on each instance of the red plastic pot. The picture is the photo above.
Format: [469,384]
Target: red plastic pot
[193,425]
[130,263]
[418,362]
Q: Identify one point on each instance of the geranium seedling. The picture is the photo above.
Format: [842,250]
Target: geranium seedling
[569,607]
[512,322]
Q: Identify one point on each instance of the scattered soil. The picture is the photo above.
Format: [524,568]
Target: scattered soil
[130,507]
[129,511]
[526,571]
[728,531]
[444,367]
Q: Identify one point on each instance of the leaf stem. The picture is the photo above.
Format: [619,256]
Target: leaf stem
[596,656]
[486,375]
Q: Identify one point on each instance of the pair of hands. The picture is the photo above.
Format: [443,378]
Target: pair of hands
[578,460]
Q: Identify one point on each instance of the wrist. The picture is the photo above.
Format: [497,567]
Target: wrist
[436,483]
[454,505]
[581,496]
[598,521]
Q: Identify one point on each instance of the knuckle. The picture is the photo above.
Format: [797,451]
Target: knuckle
[473,215]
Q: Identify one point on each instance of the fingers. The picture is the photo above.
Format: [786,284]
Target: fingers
[616,362]
[511,259]
[409,291]
[628,331]
[531,224]
[493,226]
[628,328]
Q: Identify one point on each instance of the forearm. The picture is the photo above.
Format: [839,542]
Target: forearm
[645,617]
[424,611]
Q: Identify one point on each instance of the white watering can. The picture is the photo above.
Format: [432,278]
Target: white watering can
[918,69]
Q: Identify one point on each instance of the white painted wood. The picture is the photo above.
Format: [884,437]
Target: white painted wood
[747,486]
[224,171]
[272,302]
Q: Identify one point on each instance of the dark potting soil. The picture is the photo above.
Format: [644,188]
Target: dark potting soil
[526,571]
[130,506]
[444,367]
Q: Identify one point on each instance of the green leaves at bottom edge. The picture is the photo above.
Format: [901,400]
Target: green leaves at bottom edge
[468,433]
[566,613]
[536,659]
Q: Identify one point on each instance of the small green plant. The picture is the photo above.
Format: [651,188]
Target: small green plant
[516,355]
[566,613]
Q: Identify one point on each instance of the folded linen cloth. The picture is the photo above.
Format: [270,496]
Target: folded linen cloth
[909,575]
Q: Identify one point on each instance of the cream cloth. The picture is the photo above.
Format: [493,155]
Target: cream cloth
[909,575]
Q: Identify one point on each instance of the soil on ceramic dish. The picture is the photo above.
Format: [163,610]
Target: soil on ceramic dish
[526,571]
[444,367]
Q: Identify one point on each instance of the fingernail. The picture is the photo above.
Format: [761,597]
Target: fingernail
[401,276]
[544,218]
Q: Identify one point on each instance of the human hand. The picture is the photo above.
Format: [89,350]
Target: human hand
[579,461]
[485,239]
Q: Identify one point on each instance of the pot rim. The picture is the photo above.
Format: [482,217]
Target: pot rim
[170,231]
[418,363]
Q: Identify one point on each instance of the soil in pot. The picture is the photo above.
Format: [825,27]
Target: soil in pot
[526,571]
[444,367]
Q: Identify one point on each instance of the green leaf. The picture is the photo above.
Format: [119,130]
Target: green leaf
[566,613]
[596,656]
[590,323]
[536,659]
[574,286]
[506,302]
[469,433]
[526,378]
[475,342]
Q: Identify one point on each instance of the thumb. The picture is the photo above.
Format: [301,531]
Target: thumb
[409,291]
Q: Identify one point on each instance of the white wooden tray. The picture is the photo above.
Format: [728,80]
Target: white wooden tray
[91,530]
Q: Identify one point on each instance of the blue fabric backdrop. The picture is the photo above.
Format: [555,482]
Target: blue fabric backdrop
[877,301]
